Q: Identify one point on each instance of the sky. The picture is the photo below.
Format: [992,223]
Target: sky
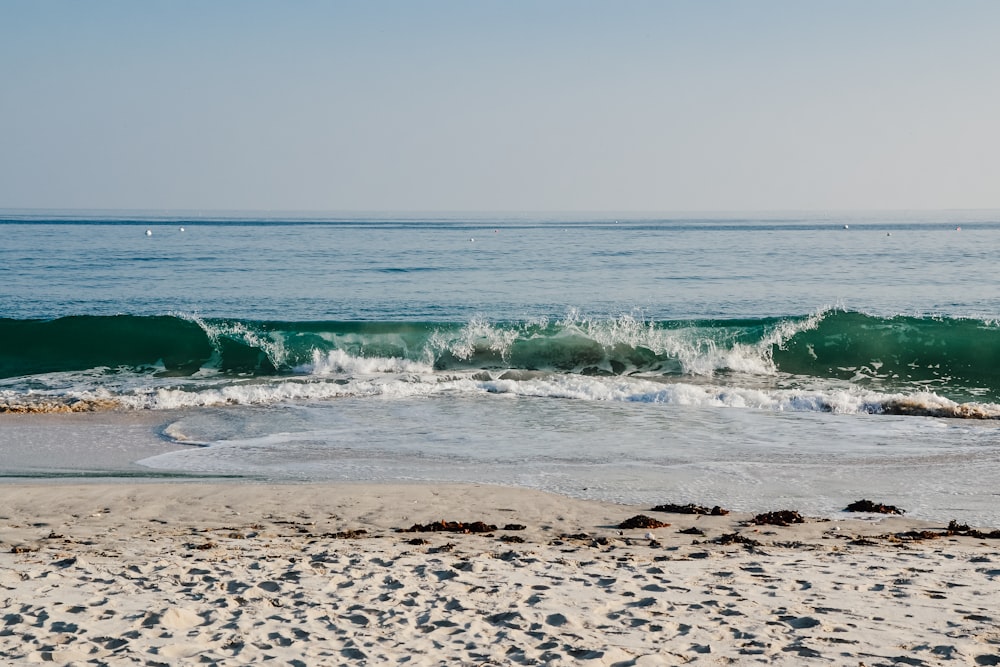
[490,105]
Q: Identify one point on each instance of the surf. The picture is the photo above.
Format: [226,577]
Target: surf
[832,360]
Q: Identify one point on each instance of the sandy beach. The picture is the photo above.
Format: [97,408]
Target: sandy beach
[320,574]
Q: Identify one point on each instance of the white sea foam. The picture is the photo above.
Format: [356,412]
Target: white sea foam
[338,362]
[478,332]
[395,379]
[697,351]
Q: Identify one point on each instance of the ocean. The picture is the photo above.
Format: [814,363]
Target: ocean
[759,362]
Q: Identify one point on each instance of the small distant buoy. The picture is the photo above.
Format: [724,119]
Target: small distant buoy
[149,232]
[958,229]
[471,240]
[182,229]
[888,233]
[847,226]
[495,231]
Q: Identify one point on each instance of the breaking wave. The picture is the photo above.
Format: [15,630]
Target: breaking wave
[835,360]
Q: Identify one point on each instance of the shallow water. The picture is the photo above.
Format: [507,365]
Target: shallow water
[742,459]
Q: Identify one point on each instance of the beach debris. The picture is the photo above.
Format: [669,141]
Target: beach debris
[693,530]
[779,518]
[449,527]
[916,536]
[690,508]
[575,536]
[735,538]
[955,528]
[869,506]
[641,521]
[352,534]
[792,544]
[514,526]
[912,408]
[594,540]
[204,546]
[63,406]
[512,539]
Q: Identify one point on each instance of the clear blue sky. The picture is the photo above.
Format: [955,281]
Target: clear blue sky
[500,105]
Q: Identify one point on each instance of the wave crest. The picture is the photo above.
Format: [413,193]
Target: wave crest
[127,355]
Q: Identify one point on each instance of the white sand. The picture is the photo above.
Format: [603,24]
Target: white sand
[233,573]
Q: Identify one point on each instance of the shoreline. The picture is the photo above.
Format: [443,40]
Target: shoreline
[135,448]
[239,572]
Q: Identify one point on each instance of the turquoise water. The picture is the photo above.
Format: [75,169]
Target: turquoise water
[752,360]
[452,269]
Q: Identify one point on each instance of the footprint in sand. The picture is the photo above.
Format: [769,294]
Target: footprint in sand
[64,656]
[557,620]
[177,618]
[175,651]
[801,622]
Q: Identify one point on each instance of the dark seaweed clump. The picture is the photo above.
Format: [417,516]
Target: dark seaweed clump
[641,521]
[956,528]
[736,538]
[779,518]
[449,527]
[869,506]
[690,508]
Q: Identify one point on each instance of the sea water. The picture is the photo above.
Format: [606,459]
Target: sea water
[755,361]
